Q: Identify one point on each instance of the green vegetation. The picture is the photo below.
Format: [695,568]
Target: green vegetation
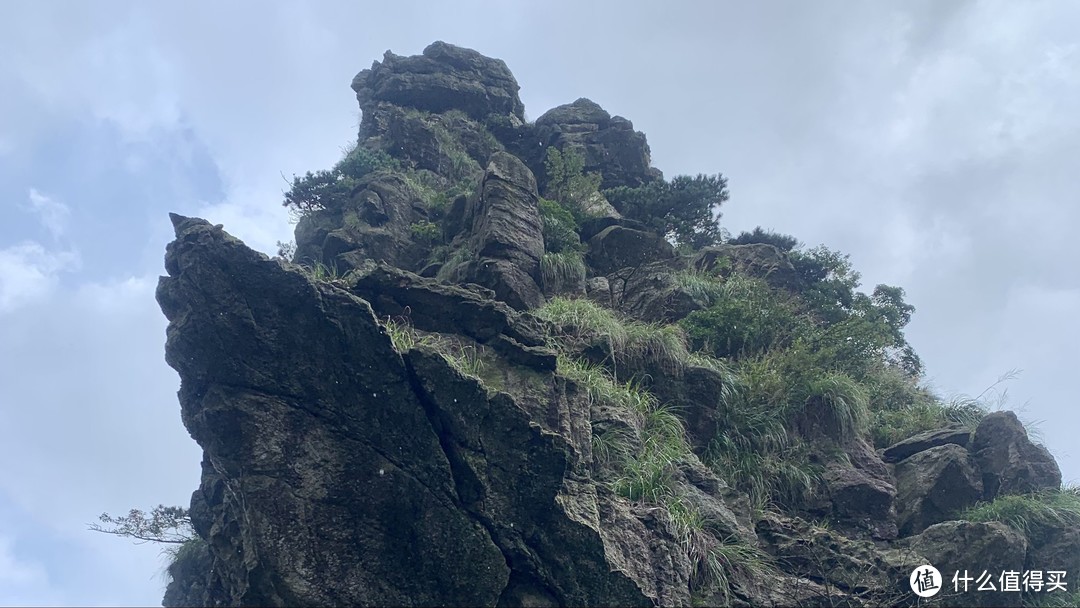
[331,189]
[783,242]
[560,227]
[426,232]
[627,343]
[465,358]
[566,181]
[1034,515]
[685,210]
[565,268]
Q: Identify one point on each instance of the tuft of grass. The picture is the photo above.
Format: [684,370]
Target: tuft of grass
[564,268]
[701,286]
[323,273]
[1034,515]
[628,342]
[466,359]
[844,400]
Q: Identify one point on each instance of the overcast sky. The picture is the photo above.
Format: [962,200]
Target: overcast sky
[938,143]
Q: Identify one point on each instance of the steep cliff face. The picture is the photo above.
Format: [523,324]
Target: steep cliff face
[429,425]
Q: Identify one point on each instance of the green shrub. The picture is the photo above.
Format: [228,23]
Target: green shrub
[746,318]
[560,228]
[685,210]
[331,189]
[843,400]
[783,242]
[426,232]
[566,181]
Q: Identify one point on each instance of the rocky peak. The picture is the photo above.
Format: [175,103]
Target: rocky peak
[444,77]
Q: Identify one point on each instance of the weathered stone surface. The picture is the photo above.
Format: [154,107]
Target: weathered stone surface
[961,546]
[1009,461]
[598,290]
[610,144]
[616,247]
[444,77]
[313,438]
[1058,550]
[651,293]
[374,224]
[955,435]
[757,259]
[859,492]
[823,555]
[506,234]
[433,305]
[934,486]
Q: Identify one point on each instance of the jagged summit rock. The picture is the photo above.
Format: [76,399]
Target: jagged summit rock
[444,77]
[610,143]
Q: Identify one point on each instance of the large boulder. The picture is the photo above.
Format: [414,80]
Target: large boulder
[506,234]
[934,486]
[964,549]
[1009,461]
[760,260]
[610,144]
[444,77]
[651,293]
[954,435]
[859,492]
[617,247]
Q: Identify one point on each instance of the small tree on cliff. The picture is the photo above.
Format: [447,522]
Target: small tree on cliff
[170,525]
[685,209]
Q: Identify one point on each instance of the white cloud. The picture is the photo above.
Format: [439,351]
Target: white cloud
[29,272]
[54,215]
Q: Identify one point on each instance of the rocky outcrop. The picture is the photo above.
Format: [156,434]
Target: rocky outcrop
[407,432]
[1009,461]
[610,144]
[373,224]
[651,293]
[952,435]
[971,549]
[935,485]
[444,77]
[756,259]
[617,247]
[506,234]
[337,471]
[859,493]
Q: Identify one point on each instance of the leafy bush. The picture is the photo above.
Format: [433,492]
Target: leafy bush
[783,242]
[685,209]
[330,189]
[746,318]
[566,181]
[560,227]
[425,232]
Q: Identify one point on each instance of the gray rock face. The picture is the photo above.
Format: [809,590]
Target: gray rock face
[610,144]
[374,224]
[506,234]
[1009,461]
[756,259]
[956,435]
[650,293]
[616,247]
[934,486]
[444,77]
[860,493]
[959,546]
[339,472]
